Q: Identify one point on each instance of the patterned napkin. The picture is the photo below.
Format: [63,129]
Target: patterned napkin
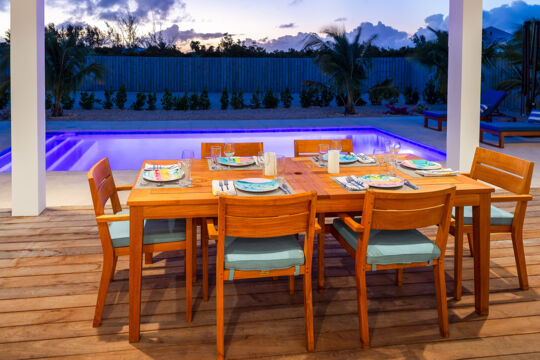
[438,173]
[364,159]
[229,190]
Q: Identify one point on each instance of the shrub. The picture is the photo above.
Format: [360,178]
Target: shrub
[181,103]
[194,102]
[204,100]
[411,96]
[4,99]
[121,97]
[87,100]
[306,98]
[167,102]
[286,98]
[237,100]
[431,94]
[341,100]
[224,100]
[48,101]
[108,104]
[67,102]
[383,91]
[5,114]
[270,101]
[255,101]
[151,101]
[139,102]
[326,96]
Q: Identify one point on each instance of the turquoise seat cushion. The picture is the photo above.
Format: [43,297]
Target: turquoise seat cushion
[392,246]
[507,126]
[155,231]
[498,216]
[436,114]
[263,253]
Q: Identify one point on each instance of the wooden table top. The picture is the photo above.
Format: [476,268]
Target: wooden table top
[301,173]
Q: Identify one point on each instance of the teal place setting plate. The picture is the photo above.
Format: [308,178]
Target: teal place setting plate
[343,158]
[421,164]
[256,185]
[236,161]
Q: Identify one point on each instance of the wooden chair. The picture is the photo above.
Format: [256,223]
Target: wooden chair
[159,235]
[256,238]
[396,244]
[240,149]
[311,147]
[511,174]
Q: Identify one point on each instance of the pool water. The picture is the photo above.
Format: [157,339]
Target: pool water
[78,151]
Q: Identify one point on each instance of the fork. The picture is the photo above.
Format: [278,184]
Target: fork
[354,181]
[221,184]
[227,184]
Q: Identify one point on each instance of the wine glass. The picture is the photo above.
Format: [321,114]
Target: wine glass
[394,150]
[228,150]
[260,160]
[187,161]
[323,150]
[381,155]
[336,145]
[215,153]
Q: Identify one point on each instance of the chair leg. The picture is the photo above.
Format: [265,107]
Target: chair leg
[399,277]
[308,312]
[440,294]
[471,243]
[204,245]
[219,315]
[188,257]
[115,259]
[320,252]
[519,254]
[458,253]
[361,294]
[106,276]
[425,121]
[194,251]
[148,258]
[291,285]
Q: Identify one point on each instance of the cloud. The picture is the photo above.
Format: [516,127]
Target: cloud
[511,17]
[287,26]
[4,5]
[173,35]
[295,2]
[340,19]
[283,43]
[385,36]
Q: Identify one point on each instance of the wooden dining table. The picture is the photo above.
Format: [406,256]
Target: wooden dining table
[302,174]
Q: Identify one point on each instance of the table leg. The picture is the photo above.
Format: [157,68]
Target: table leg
[135,271]
[458,252]
[481,236]
[320,252]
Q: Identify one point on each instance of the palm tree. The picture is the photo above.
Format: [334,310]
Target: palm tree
[434,54]
[342,60]
[66,65]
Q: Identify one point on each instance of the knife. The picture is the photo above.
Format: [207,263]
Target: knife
[411,185]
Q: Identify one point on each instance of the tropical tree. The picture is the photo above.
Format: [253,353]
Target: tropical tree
[66,66]
[434,54]
[342,60]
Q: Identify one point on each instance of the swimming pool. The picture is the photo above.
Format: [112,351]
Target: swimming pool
[78,151]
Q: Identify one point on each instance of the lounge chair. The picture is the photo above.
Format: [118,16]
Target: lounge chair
[508,129]
[490,101]
[534,117]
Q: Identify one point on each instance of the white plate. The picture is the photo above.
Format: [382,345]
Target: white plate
[151,175]
[245,161]
[256,185]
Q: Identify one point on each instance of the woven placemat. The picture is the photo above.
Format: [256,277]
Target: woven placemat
[145,184]
[277,192]
[354,164]
[221,167]
[402,188]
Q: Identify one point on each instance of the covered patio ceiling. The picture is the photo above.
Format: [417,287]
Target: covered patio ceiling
[28,96]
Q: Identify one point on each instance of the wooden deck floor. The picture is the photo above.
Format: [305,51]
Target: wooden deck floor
[50,268]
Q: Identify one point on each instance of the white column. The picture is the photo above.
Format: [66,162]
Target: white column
[464,82]
[27,107]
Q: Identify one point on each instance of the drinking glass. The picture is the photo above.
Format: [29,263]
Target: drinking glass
[187,161]
[215,153]
[260,160]
[323,150]
[336,145]
[281,169]
[394,150]
[228,150]
[380,154]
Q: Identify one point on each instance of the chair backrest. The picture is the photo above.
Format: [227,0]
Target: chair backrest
[266,216]
[507,172]
[311,147]
[492,99]
[404,210]
[240,149]
[102,187]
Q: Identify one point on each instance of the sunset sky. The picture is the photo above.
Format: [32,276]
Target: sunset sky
[278,24]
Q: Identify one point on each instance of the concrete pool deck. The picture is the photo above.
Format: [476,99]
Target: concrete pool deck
[71,188]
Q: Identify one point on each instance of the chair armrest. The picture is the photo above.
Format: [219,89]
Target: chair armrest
[212,232]
[465,174]
[112,218]
[349,221]
[124,187]
[511,198]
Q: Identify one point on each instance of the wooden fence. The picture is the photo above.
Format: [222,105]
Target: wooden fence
[248,74]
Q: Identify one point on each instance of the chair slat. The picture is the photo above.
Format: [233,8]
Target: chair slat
[404,220]
[498,178]
[240,149]
[311,147]
[501,161]
[266,226]
[266,210]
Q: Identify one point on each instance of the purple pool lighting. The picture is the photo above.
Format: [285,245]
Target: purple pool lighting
[78,151]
